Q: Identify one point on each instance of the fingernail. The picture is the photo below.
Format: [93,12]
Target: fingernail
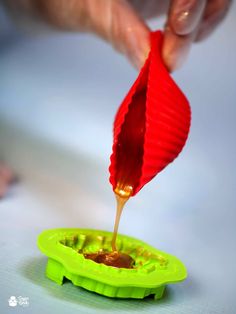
[186,15]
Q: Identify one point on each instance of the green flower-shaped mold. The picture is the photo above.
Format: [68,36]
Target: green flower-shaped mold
[153,269]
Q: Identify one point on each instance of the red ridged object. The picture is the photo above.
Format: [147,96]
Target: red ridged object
[151,125]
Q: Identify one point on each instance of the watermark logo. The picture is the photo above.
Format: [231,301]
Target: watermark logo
[12,301]
[22,301]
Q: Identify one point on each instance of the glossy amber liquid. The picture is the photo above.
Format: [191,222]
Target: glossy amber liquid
[114,258]
[119,208]
[129,155]
[129,158]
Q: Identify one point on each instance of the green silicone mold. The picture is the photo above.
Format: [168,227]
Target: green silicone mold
[153,269]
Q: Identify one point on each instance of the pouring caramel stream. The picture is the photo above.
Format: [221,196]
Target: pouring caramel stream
[129,158]
[122,196]
[115,258]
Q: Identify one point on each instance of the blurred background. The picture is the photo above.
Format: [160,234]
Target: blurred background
[59,93]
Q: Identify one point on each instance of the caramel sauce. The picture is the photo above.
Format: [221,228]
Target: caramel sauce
[129,158]
[114,259]
[122,197]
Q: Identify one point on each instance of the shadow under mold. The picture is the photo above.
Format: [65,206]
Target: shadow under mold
[33,269]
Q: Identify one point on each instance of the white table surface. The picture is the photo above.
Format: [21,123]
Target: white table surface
[59,94]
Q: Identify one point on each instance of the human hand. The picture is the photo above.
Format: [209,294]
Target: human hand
[190,21]
[122,22]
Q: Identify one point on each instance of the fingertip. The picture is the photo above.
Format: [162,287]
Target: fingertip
[175,49]
[137,45]
[128,33]
[139,57]
[214,14]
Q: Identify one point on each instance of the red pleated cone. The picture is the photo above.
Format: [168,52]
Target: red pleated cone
[151,125]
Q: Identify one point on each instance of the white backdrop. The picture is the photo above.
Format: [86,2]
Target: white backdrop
[58,97]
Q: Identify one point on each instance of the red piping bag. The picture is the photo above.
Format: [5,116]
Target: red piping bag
[150,127]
